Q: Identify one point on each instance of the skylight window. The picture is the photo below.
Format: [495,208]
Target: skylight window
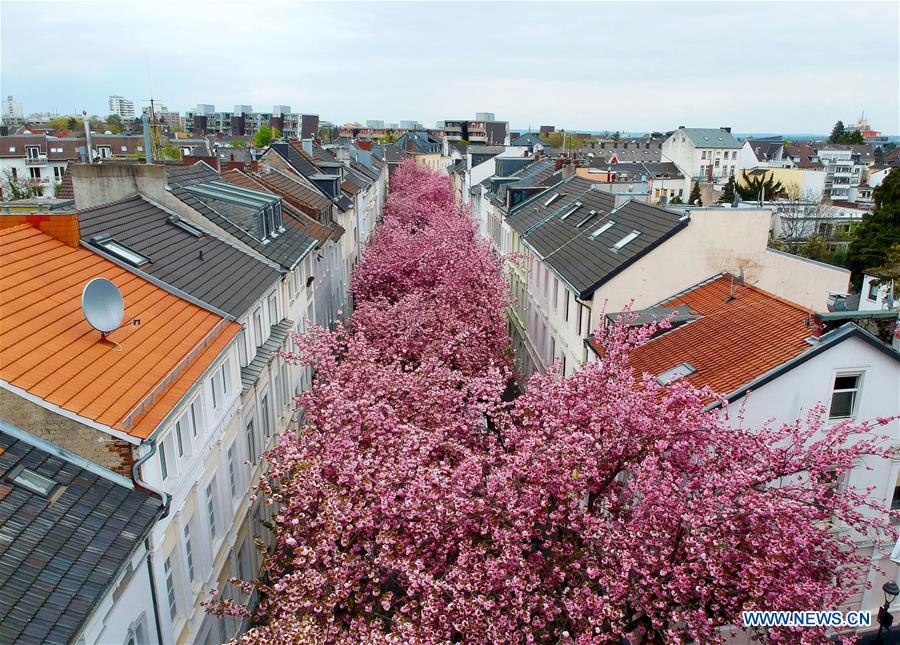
[185,226]
[574,207]
[600,231]
[551,199]
[679,371]
[122,252]
[587,218]
[35,482]
[625,240]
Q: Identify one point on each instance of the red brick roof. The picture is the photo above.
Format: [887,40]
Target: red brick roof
[735,341]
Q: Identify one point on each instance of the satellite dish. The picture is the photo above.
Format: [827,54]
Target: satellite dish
[102,305]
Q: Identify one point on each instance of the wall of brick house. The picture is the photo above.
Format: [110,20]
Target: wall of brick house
[90,443]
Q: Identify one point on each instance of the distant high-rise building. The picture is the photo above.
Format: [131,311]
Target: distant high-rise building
[485,116]
[281,110]
[12,112]
[243,109]
[410,125]
[374,123]
[121,106]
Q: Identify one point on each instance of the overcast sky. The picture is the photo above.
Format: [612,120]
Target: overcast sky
[760,67]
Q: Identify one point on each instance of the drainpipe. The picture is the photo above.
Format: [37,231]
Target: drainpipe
[136,474]
[166,501]
[148,151]
[154,599]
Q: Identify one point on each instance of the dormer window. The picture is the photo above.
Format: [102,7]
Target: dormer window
[551,199]
[120,251]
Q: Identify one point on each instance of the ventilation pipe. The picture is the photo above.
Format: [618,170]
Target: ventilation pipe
[148,150]
[87,137]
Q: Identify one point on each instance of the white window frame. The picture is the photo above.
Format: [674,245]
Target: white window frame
[857,391]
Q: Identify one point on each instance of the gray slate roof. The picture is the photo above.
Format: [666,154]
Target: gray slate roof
[286,250]
[225,277]
[569,251]
[251,372]
[57,561]
[710,138]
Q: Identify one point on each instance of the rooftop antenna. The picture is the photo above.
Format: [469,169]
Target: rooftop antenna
[102,305]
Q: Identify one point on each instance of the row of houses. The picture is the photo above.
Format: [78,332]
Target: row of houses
[128,459]
[757,324]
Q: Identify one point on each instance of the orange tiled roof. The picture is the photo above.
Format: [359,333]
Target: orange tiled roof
[48,349]
[734,342]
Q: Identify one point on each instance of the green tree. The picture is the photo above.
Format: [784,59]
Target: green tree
[65,123]
[837,132]
[616,136]
[170,152]
[728,194]
[265,135]
[760,186]
[237,143]
[815,248]
[695,198]
[874,237]
[676,200]
[854,137]
[18,188]
[114,124]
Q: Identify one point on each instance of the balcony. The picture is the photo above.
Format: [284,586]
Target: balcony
[39,160]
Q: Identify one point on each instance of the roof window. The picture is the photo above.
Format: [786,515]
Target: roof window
[551,199]
[625,240]
[587,218]
[600,231]
[679,371]
[185,226]
[121,251]
[574,207]
[35,482]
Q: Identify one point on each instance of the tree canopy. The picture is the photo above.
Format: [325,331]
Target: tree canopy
[762,186]
[728,193]
[419,504]
[878,233]
[265,135]
[695,197]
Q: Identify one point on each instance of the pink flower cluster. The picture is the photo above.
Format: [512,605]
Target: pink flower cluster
[419,504]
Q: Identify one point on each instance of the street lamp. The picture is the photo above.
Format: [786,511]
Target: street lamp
[885,618]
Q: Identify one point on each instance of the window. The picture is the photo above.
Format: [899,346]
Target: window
[267,429]
[251,442]
[104,152]
[273,310]
[226,375]
[163,459]
[195,418]
[32,152]
[170,587]
[625,240]
[551,199]
[566,305]
[571,209]
[189,553]
[122,252]
[35,173]
[277,388]
[179,439]
[212,389]
[257,327]
[12,148]
[186,226]
[873,291]
[211,508]
[602,229]
[844,396]
[123,148]
[895,500]
[285,385]
[679,371]
[232,470]
[58,173]
[35,482]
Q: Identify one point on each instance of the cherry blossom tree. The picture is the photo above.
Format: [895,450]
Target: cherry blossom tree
[418,504]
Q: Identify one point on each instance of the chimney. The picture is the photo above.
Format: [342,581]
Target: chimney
[568,170]
[727,129]
[148,149]
[681,127]
[87,138]
[307,146]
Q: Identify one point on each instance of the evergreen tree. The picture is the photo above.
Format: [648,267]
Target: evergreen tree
[837,132]
[879,232]
[728,194]
[855,137]
[694,198]
[762,186]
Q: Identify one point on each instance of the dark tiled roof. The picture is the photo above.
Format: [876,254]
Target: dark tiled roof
[292,189]
[264,354]
[286,249]
[207,268]
[308,225]
[566,245]
[67,186]
[295,156]
[58,560]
